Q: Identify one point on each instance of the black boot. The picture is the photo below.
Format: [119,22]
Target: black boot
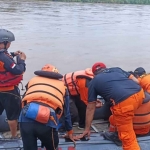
[112,136]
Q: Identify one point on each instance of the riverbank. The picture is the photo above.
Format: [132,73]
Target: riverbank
[143,2]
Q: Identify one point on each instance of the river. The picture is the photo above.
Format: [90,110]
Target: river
[73,36]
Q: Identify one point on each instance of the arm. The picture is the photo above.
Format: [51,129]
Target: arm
[134,79]
[89,118]
[92,97]
[13,54]
[12,67]
[68,123]
[89,114]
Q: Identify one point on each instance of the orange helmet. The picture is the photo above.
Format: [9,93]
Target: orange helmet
[50,68]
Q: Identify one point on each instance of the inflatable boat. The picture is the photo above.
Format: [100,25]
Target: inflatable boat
[3,122]
[96,142]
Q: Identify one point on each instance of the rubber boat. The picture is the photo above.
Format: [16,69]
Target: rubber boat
[96,142]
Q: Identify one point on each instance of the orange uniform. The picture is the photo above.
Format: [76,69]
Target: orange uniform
[144,81]
[141,120]
[83,89]
[125,96]
[123,114]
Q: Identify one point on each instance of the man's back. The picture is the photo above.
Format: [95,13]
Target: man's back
[113,84]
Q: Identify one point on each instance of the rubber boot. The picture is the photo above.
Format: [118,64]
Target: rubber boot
[112,136]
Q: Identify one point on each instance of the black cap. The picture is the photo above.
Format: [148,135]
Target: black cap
[139,71]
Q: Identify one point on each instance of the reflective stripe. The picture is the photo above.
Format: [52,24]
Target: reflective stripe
[141,123]
[70,80]
[46,93]
[46,85]
[45,90]
[75,85]
[142,114]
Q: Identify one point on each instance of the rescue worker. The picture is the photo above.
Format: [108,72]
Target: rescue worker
[121,89]
[77,84]
[44,101]
[10,76]
[144,78]
[141,120]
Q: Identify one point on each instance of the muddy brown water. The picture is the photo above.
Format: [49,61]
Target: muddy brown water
[73,36]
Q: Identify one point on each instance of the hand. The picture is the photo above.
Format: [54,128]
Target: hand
[17,53]
[71,137]
[22,56]
[86,133]
[99,104]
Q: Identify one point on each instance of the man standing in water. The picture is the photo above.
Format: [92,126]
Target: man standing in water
[10,77]
[125,96]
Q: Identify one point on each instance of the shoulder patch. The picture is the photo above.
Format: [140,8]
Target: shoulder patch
[13,65]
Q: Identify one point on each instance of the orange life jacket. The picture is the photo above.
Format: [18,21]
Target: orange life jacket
[45,90]
[144,81]
[142,116]
[71,82]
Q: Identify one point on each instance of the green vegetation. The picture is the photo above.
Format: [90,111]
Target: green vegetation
[111,1]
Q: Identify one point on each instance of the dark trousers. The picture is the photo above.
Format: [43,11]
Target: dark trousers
[31,131]
[81,107]
[78,108]
[11,102]
[103,113]
[78,111]
[73,111]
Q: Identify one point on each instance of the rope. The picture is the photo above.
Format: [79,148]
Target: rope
[53,140]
